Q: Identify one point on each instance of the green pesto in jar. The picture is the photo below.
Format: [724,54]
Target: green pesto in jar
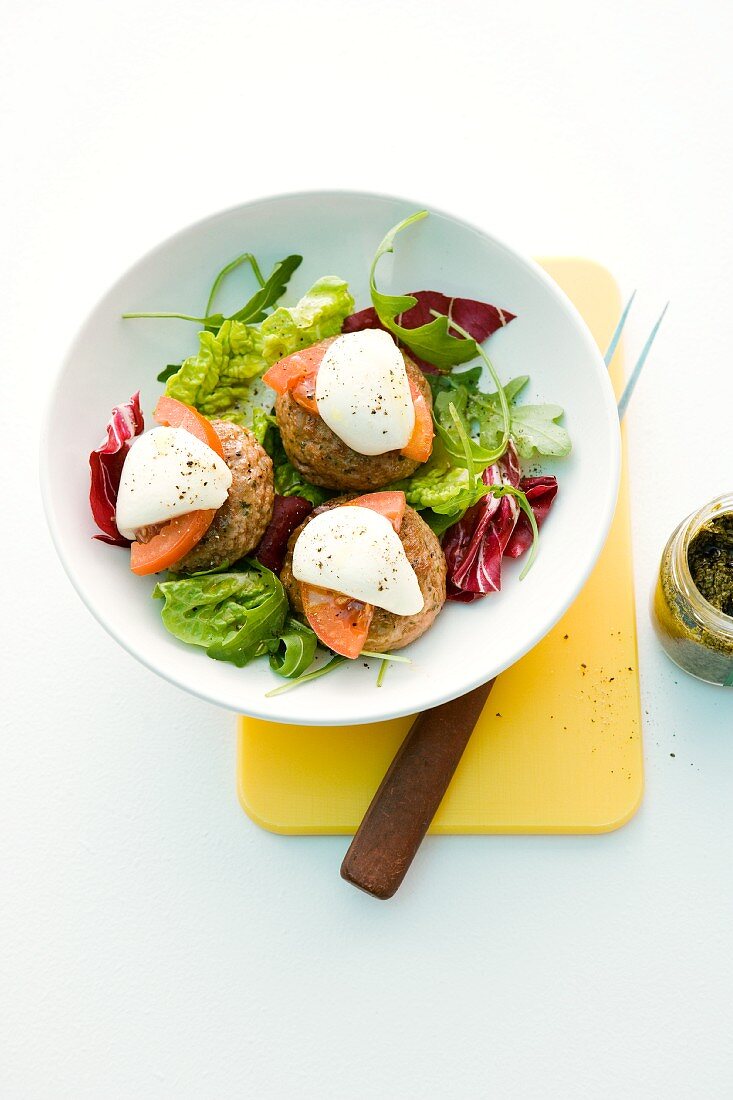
[710,556]
[693,600]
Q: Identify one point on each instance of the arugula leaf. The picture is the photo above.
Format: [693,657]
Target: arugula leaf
[485,410]
[433,341]
[490,401]
[306,677]
[246,257]
[168,372]
[252,311]
[274,288]
[535,431]
[454,431]
[448,383]
[532,427]
[295,649]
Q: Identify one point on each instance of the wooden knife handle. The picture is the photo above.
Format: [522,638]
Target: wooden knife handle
[409,795]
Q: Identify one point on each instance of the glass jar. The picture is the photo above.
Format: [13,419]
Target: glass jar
[695,634]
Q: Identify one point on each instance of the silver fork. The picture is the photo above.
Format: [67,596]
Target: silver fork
[630,386]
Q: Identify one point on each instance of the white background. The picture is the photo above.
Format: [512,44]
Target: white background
[154,942]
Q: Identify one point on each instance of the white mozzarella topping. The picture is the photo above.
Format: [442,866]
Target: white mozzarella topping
[168,472]
[357,552]
[363,392]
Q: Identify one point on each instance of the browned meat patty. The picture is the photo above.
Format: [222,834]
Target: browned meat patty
[324,459]
[389,631]
[241,521]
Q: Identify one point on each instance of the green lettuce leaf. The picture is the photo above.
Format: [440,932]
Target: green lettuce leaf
[198,375]
[262,423]
[234,616]
[319,313]
[243,358]
[289,483]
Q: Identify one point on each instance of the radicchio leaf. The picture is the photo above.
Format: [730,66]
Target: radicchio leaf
[475,545]
[479,319]
[540,492]
[287,514]
[106,464]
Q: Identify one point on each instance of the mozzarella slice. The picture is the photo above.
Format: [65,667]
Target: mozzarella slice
[168,472]
[363,392]
[358,553]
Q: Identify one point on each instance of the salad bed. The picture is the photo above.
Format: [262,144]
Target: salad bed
[471,491]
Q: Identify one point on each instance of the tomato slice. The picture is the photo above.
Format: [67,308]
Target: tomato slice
[391,505]
[420,443]
[297,373]
[304,393]
[174,414]
[340,622]
[171,543]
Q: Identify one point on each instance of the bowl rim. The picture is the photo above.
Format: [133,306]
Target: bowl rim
[447,693]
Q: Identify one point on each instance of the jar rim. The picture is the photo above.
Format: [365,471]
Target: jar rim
[721,505]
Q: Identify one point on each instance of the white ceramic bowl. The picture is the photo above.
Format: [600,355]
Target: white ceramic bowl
[337,233]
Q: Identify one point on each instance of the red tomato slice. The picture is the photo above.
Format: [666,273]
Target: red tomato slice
[420,443]
[340,622]
[391,505]
[174,414]
[171,543]
[297,373]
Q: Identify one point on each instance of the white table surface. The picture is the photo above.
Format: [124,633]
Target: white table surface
[153,941]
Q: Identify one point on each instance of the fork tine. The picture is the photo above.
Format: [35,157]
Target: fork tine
[617,333]
[634,376]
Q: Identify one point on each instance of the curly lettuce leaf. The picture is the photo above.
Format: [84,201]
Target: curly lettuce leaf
[289,483]
[198,375]
[319,313]
[234,616]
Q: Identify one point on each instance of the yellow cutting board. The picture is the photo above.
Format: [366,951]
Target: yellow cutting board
[558,746]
